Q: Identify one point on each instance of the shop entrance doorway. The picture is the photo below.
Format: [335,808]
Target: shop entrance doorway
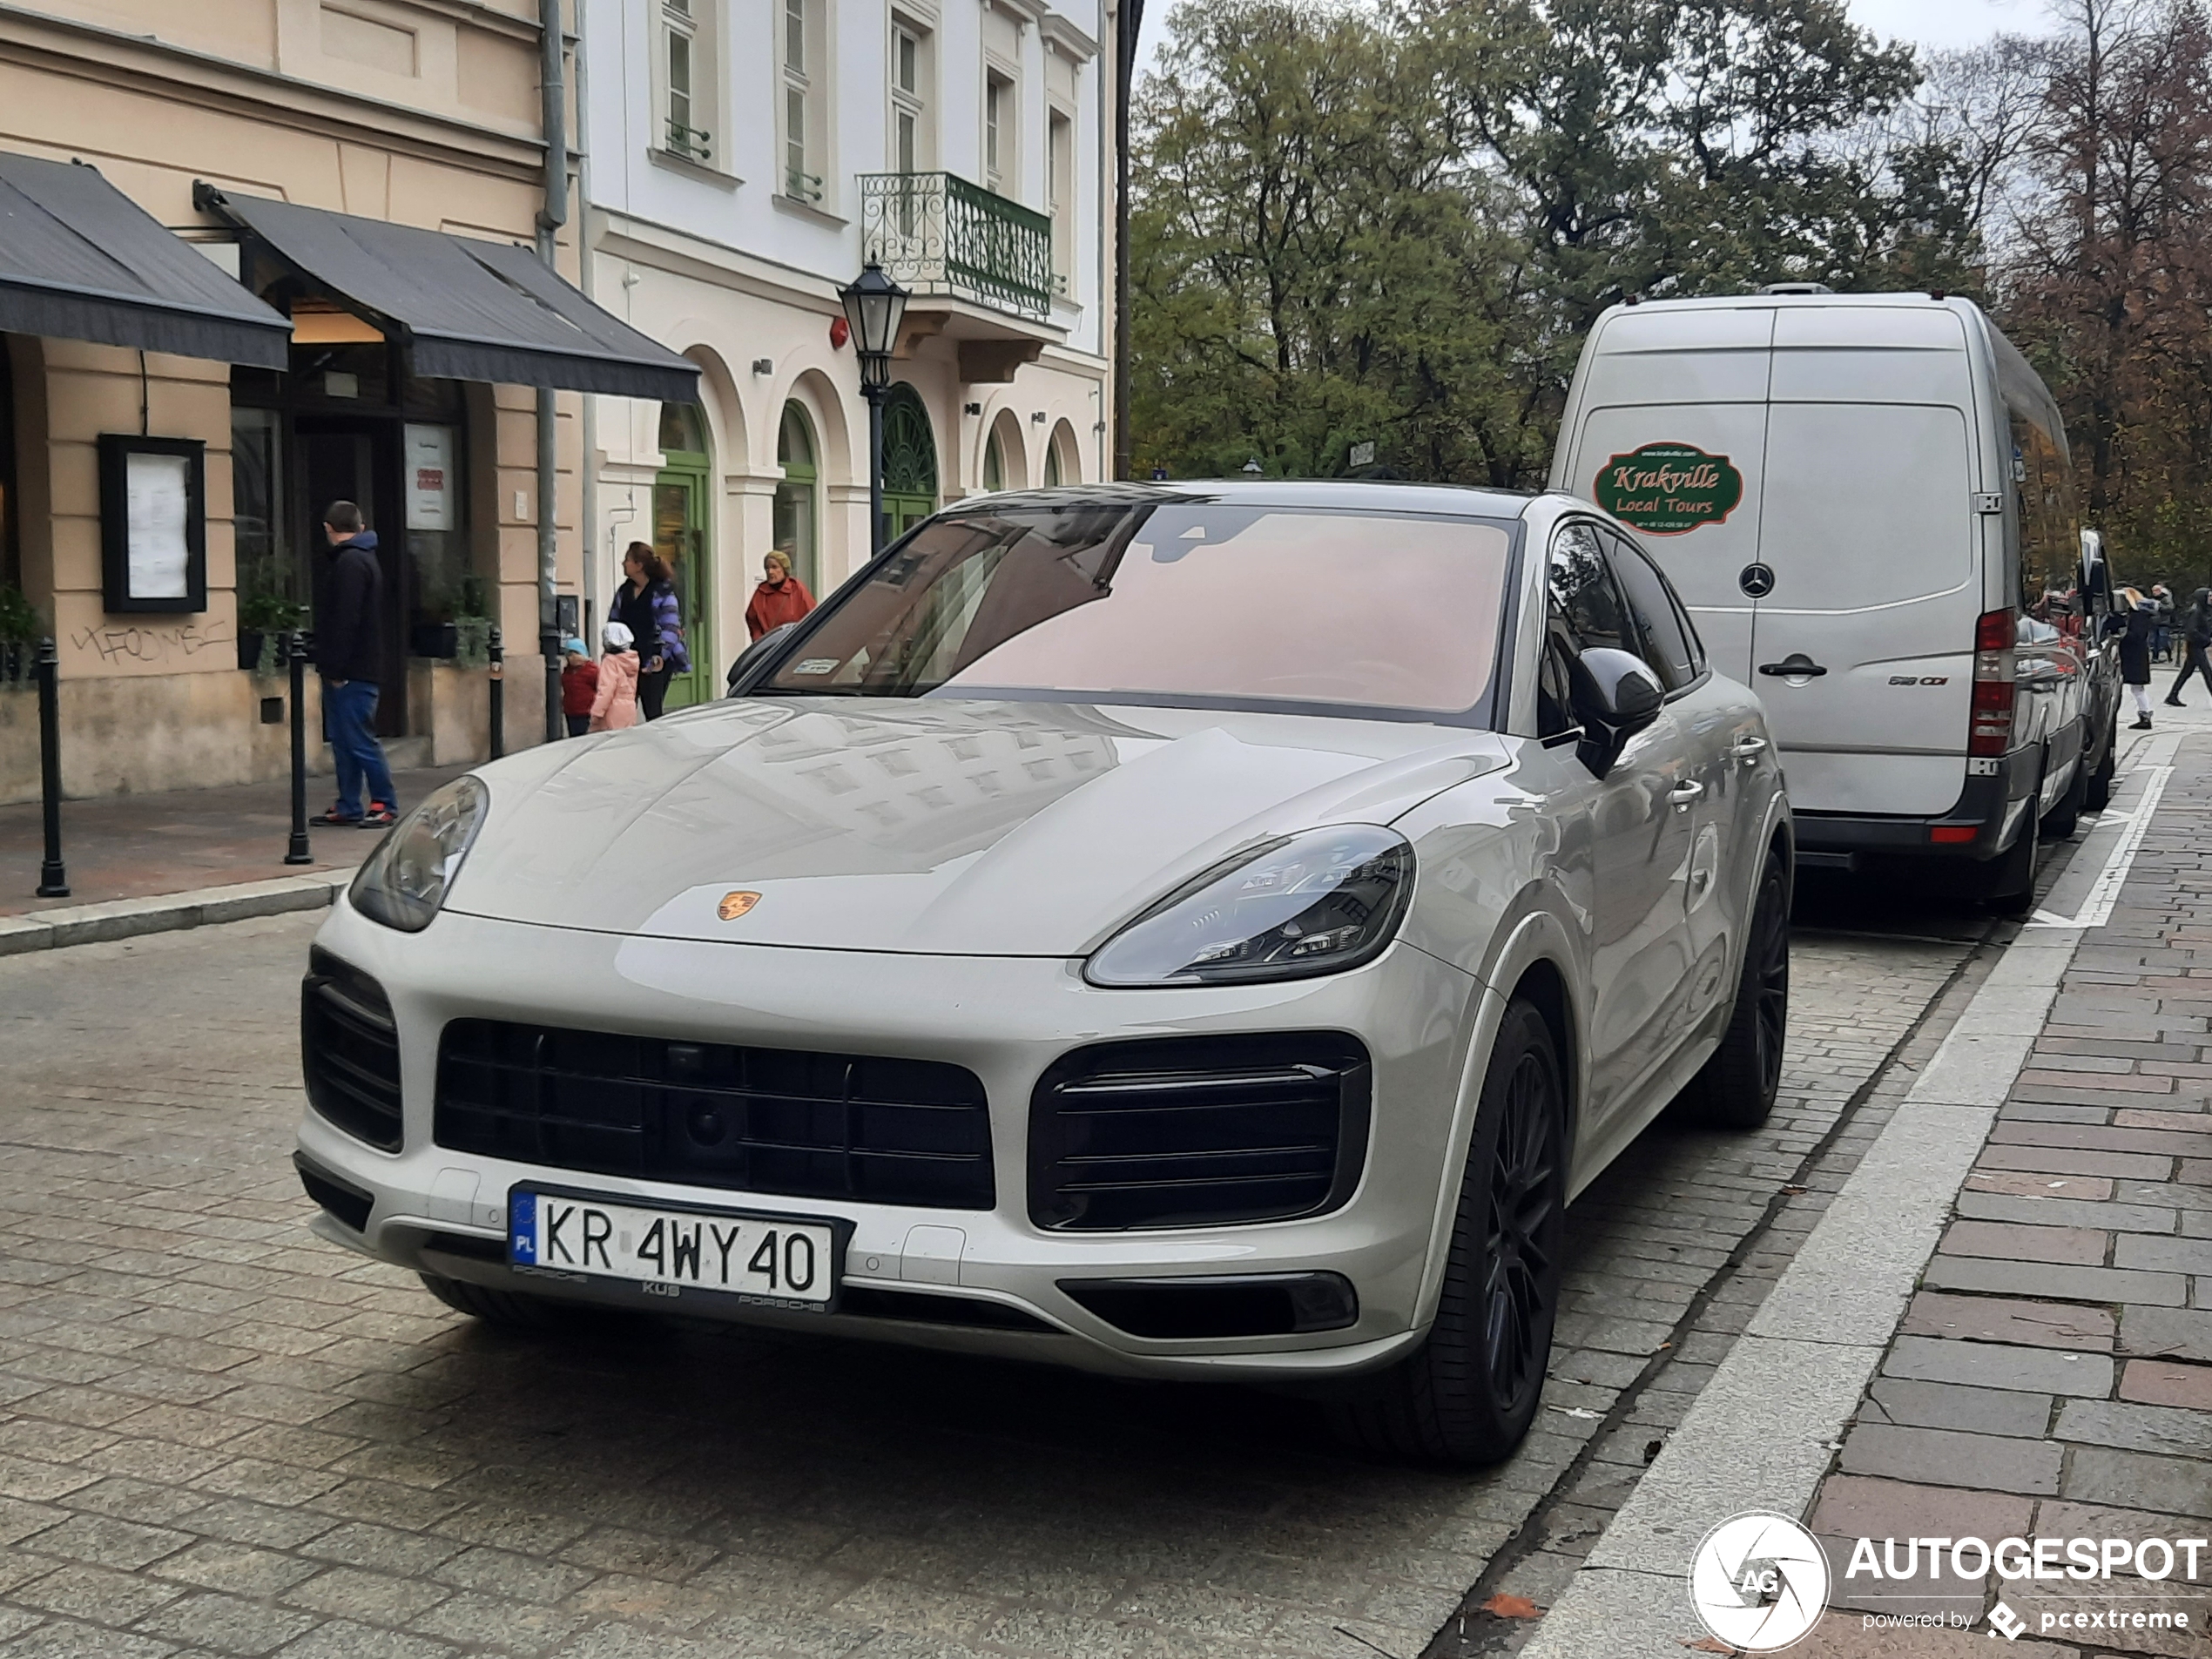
[683,535]
[910,462]
[353,459]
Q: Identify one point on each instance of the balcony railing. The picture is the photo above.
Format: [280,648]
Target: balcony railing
[935,233]
[691,143]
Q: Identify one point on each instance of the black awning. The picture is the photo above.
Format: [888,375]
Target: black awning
[469,310]
[81,260]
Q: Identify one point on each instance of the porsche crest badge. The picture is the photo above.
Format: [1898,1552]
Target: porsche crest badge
[734,905]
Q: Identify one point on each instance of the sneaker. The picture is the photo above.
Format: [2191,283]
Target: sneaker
[381,815]
[334,818]
[2142,723]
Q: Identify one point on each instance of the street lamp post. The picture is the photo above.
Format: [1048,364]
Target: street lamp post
[874,305]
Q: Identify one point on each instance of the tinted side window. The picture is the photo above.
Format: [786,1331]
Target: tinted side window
[2050,534]
[1663,641]
[1583,588]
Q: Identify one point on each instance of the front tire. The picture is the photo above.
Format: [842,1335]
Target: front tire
[2065,817]
[2098,796]
[1469,1393]
[1736,1088]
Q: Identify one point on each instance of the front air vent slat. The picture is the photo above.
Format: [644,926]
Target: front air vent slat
[1197,1132]
[794,1124]
[349,1051]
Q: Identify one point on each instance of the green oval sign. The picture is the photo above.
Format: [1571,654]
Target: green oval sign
[1667,488]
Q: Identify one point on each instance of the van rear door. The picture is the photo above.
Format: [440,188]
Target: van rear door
[1670,398]
[1870,529]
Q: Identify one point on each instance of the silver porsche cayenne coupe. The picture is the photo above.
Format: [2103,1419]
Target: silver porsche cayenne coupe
[1186,931]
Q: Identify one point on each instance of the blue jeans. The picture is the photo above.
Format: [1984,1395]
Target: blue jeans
[349,721]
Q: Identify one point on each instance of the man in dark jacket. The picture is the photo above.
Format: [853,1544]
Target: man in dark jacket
[349,655]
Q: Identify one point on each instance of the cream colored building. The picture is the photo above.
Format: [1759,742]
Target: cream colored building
[744,158]
[403,383]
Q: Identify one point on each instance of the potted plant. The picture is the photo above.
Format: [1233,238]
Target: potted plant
[21,628]
[263,620]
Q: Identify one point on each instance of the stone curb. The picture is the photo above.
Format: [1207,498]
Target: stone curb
[164,912]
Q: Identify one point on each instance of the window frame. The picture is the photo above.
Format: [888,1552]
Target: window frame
[802,37]
[909,105]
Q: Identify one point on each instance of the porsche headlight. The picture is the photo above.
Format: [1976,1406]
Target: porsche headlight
[1317,902]
[406,879]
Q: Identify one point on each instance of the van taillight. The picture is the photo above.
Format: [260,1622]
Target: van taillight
[1989,726]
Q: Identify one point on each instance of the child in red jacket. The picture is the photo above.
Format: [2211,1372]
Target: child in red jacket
[579,686]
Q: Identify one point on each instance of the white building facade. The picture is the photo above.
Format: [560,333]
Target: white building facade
[744,158]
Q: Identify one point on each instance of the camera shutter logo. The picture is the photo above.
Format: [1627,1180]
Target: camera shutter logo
[1759,1582]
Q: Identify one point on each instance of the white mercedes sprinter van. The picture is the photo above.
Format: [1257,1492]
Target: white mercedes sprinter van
[1866,503]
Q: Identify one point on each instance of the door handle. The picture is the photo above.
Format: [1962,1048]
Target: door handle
[1797,665]
[1683,794]
[1748,748]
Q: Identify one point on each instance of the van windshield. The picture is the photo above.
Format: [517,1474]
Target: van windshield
[1182,603]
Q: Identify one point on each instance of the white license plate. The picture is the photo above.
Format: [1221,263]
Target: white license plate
[765,1257]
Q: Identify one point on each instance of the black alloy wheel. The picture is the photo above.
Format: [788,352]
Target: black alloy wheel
[1468,1393]
[1736,1088]
[1521,1247]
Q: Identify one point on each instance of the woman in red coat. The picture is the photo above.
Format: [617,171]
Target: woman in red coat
[781,596]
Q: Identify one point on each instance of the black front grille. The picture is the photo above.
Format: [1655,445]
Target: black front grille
[349,1049]
[1195,1132]
[710,1115]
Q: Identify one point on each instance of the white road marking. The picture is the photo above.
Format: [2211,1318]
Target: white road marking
[2097,909]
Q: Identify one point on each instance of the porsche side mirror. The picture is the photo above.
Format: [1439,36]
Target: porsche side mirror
[753,656]
[1615,697]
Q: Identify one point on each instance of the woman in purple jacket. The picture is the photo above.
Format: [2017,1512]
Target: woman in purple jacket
[646,604]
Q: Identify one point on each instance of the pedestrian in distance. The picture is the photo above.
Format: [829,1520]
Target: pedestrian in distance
[579,686]
[646,604]
[781,596]
[2162,643]
[2140,624]
[350,659]
[2195,633]
[614,701]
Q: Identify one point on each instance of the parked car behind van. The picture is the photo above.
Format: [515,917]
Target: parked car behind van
[1864,500]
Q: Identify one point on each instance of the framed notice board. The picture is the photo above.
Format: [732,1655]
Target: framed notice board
[153,523]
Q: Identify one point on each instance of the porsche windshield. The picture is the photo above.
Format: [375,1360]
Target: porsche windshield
[1211,605]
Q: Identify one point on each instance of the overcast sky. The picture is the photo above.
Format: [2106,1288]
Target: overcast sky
[1930,23]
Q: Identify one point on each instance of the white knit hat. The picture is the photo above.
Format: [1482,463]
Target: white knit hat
[618,637]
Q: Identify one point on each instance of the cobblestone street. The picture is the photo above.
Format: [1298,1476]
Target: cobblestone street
[220,1435]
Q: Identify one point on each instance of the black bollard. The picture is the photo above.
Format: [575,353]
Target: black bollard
[498,697]
[53,878]
[296,652]
[548,642]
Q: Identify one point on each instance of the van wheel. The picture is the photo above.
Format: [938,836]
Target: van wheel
[2012,874]
[508,1310]
[1736,1087]
[1468,1394]
[2098,795]
[2065,817]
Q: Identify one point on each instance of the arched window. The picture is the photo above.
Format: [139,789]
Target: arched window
[792,528]
[682,430]
[1052,465]
[994,464]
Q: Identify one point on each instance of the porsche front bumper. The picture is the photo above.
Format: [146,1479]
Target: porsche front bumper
[983,1280]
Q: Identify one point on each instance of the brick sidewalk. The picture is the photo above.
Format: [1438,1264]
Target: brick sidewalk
[2053,1377]
[135,846]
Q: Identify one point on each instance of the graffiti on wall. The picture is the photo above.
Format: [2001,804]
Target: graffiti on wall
[153,647]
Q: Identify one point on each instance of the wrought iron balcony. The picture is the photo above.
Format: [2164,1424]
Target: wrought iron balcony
[935,233]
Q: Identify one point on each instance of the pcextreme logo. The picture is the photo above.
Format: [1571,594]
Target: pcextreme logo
[1759,1582]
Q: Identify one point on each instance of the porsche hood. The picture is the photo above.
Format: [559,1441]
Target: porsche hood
[943,827]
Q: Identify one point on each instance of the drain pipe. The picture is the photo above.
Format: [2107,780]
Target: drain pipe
[587,539]
[554,96]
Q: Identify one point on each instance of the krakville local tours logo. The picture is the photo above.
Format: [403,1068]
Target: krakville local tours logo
[1669,489]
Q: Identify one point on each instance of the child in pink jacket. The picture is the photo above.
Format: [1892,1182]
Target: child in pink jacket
[615,704]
